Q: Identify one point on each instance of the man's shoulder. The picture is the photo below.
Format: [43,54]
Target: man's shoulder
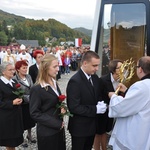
[32,66]
[76,76]
[141,83]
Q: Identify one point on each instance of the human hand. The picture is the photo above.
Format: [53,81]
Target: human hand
[122,87]
[63,110]
[110,94]
[101,107]
[17,101]
[62,126]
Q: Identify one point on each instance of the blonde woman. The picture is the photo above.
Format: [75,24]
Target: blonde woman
[43,101]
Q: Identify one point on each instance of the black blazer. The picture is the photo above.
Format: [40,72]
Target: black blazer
[82,100]
[11,125]
[105,87]
[42,109]
[104,123]
[33,71]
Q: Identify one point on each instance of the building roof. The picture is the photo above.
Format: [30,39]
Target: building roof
[27,43]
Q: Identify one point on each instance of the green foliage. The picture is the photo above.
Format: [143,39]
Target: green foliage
[3,38]
[10,19]
[62,40]
[55,44]
[4,27]
[19,93]
[30,29]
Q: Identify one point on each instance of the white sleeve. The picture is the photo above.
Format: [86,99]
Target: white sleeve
[131,104]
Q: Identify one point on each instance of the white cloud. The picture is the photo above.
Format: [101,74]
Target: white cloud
[73,13]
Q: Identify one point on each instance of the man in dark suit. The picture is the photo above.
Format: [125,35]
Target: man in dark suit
[33,70]
[83,102]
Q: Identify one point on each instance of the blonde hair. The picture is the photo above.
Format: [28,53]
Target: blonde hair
[43,75]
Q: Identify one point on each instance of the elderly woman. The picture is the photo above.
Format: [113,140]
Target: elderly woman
[26,83]
[11,127]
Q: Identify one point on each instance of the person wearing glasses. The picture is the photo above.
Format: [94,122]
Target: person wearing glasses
[108,82]
[132,112]
[11,124]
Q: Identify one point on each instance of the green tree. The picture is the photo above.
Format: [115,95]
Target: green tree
[4,27]
[55,43]
[3,38]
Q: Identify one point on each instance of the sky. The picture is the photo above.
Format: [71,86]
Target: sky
[73,13]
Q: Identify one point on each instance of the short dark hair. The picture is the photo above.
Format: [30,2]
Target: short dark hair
[144,63]
[113,65]
[87,56]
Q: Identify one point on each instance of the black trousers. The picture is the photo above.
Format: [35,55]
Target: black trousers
[82,143]
[54,142]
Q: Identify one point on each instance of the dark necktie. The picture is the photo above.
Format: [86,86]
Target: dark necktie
[91,84]
[90,81]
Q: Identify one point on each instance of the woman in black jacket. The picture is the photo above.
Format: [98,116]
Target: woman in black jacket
[43,100]
[11,126]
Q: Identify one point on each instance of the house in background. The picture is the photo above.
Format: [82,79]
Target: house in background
[28,43]
[31,44]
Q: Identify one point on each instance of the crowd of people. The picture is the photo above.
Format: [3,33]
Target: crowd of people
[68,57]
[20,67]
[30,95]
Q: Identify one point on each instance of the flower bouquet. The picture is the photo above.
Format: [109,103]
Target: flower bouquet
[63,105]
[19,92]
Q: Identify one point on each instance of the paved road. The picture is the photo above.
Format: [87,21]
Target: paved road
[62,84]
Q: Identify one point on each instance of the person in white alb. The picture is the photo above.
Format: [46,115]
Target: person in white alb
[132,112]
[24,55]
[9,57]
[3,53]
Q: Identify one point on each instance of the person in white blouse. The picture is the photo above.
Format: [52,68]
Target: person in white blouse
[11,127]
[132,112]
[43,101]
[26,83]
[108,82]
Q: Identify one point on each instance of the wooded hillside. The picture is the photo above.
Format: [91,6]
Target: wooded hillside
[30,29]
